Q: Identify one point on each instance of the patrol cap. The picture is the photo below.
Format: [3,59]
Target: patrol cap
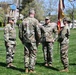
[67,19]
[47,18]
[11,18]
[31,11]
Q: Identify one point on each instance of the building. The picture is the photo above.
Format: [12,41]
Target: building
[71,24]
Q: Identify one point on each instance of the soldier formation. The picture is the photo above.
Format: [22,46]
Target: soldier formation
[31,34]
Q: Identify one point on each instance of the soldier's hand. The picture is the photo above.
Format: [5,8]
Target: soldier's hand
[8,44]
[53,40]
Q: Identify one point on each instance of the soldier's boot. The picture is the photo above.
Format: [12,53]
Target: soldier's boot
[50,65]
[26,70]
[32,71]
[10,65]
[46,64]
[65,70]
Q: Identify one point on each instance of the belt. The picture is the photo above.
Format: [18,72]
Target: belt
[12,39]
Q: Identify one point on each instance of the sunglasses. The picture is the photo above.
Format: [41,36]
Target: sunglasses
[46,19]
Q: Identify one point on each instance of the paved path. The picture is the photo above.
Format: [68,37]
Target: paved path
[1,28]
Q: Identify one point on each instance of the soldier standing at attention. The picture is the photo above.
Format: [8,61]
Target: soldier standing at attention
[47,31]
[64,41]
[30,34]
[10,41]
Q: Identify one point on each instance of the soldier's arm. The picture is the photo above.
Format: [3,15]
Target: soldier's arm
[20,31]
[42,28]
[6,34]
[68,33]
[55,33]
[37,33]
[38,30]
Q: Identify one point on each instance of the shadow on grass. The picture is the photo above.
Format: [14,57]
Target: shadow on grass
[2,64]
[72,64]
[18,69]
[53,68]
[42,64]
[14,68]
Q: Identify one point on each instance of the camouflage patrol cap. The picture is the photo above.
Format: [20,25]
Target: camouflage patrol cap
[67,19]
[31,10]
[47,17]
[11,18]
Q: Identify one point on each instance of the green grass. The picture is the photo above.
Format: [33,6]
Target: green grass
[40,69]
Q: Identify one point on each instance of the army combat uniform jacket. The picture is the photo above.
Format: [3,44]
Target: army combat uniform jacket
[64,35]
[49,32]
[10,34]
[29,30]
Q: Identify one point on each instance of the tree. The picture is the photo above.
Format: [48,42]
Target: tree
[37,5]
[51,9]
[25,3]
[4,5]
[39,9]
[71,11]
[1,16]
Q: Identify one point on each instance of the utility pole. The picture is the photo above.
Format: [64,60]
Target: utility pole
[19,8]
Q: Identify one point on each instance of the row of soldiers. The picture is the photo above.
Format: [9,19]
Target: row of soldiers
[31,33]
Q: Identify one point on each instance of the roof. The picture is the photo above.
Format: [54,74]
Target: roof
[13,7]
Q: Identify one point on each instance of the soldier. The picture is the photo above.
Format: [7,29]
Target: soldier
[48,39]
[29,35]
[10,41]
[64,41]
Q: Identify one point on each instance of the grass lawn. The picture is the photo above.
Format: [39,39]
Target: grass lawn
[40,69]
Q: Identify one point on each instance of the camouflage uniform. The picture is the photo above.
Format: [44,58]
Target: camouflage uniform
[47,40]
[29,35]
[64,41]
[10,42]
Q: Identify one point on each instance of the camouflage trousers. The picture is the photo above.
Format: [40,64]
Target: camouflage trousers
[64,54]
[30,51]
[47,51]
[10,50]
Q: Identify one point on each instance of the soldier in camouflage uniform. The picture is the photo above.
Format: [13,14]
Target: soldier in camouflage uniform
[29,35]
[10,41]
[64,41]
[47,31]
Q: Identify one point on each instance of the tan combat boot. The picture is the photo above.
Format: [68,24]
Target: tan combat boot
[26,70]
[10,65]
[32,71]
[65,70]
[50,65]
[46,64]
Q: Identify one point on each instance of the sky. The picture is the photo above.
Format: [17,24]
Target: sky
[46,3]
[66,2]
[9,1]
